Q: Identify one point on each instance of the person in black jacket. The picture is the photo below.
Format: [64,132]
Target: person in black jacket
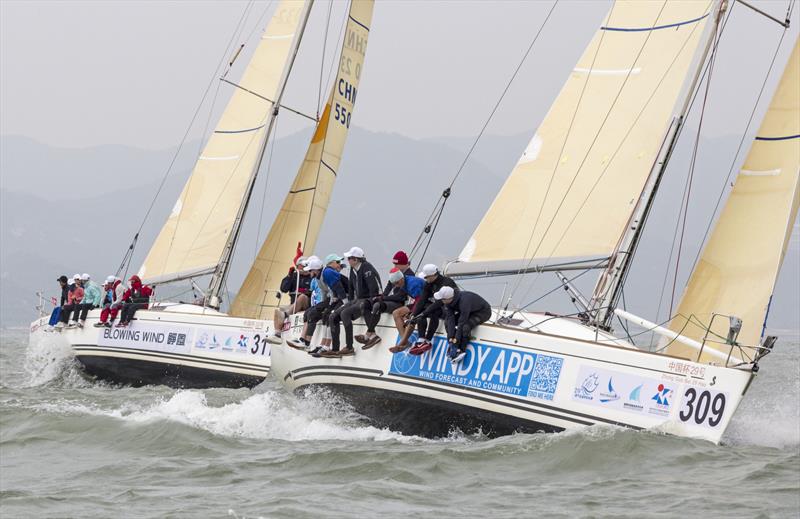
[365,284]
[297,284]
[463,311]
[428,311]
[391,299]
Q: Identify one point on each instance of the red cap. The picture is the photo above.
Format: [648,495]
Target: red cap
[400,258]
[134,278]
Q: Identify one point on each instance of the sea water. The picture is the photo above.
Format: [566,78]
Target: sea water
[74,448]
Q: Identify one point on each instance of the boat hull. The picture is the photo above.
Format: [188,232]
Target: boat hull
[519,380]
[176,346]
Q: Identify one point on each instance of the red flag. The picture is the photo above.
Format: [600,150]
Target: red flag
[298,254]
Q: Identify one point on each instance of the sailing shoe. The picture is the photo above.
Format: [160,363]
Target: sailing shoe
[99,324]
[122,325]
[459,357]
[274,339]
[59,326]
[315,352]
[299,344]
[72,324]
[109,324]
[361,338]
[371,342]
[421,348]
[332,354]
[81,324]
[347,351]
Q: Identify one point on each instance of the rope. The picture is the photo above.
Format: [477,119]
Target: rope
[693,163]
[264,195]
[443,198]
[129,253]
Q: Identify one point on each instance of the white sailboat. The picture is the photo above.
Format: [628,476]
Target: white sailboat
[579,198]
[187,345]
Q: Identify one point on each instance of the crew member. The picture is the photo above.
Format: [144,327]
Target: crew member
[463,311]
[412,286]
[393,298]
[135,298]
[74,298]
[92,297]
[428,312]
[297,284]
[364,284]
[112,301]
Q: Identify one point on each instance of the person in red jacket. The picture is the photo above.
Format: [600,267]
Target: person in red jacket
[136,297]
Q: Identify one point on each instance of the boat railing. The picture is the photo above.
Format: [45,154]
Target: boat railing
[745,354]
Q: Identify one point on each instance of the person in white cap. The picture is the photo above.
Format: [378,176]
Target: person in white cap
[74,299]
[92,297]
[109,297]
[365,284]
[297,283]
[463,311]
[428,312]
[319,297]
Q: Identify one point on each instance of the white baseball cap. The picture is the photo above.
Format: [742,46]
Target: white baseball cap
[302,261]
[444,293]
[314,263]
[354,252]
[76,276]
[395,276]
[429,270]
[85,277]
[111,279]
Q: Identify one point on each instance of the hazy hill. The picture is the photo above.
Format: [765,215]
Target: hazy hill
[66,211]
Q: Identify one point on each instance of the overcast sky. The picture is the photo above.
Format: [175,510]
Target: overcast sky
[78,74]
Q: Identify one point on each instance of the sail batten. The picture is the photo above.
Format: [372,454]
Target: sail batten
[739,265]
[300,217]
[196,232]
[575,187]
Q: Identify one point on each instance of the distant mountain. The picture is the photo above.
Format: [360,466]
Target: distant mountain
[66,211]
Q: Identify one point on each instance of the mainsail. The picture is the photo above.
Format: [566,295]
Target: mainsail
[192,240]
[736,273]
[303,210]
[570,196]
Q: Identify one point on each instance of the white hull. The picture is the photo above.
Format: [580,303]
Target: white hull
[559,377]
[178,345]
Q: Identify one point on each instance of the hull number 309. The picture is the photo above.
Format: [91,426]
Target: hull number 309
[702,407]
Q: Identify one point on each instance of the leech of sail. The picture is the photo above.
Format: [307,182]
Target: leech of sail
[196,232]
[577,202]
[303,210]
[739,265]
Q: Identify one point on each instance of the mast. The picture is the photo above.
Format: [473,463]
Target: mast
[223,268]
[608,289]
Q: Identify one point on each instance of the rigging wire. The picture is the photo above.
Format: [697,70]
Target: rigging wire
[432,222]
[322,59]
[693,164]
[266,184]
[129,253]
[727,181]
[585,157]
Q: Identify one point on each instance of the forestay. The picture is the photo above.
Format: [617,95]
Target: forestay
[303,210]
[570,196]
[739,265]
[193,238]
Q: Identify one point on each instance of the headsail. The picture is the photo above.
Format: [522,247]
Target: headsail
[570,196]
[192,240]
[736,272]
[303,210]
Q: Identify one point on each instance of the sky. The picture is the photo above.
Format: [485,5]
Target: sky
[85,73]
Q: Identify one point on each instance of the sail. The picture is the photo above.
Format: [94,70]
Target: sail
[737,269]
[303,210]
[192,239]
[571,194]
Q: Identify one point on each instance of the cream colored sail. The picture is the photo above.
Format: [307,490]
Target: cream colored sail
[737,270]
[303,210]
[192,240]
[570,196]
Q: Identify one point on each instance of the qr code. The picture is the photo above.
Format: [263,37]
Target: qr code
[546,372]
